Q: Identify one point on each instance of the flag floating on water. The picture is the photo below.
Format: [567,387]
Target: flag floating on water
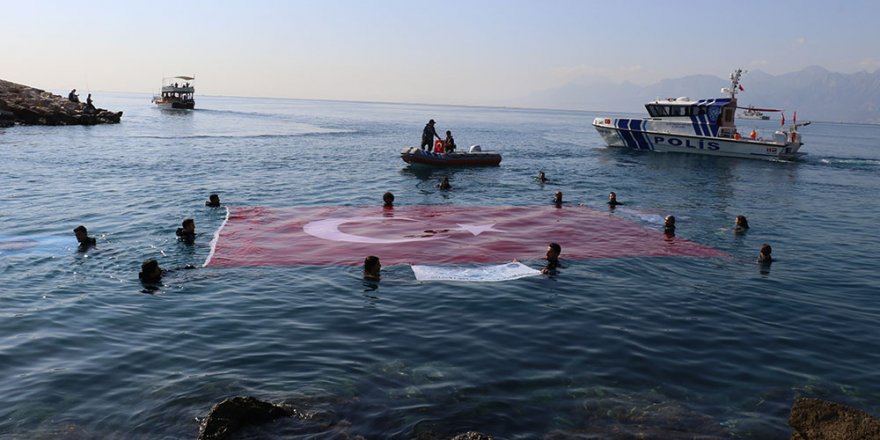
[319,236]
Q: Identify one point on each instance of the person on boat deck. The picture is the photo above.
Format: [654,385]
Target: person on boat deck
[754,134]
[187,233]
[742,224]
[372,267]
[82,236]
[428,135]
[72,96]
[669,225]
[444,184]
[388,198]
[450,142]
[553,251]
[150,272]
[764,254]
[557,198]
[213,201]
[612,200]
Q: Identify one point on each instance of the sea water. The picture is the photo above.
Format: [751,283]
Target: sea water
[613,347]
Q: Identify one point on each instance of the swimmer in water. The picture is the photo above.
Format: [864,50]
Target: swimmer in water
[82,236]
[213,201]
[541,177]
[444,184]
[388,198]
[187,233]
[742,224]
[612,200]
[557,198]
[150,273]
[372,268]
[764,254]
[553,251]
[669,225]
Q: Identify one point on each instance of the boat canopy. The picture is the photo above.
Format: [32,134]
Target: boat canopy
[186,78]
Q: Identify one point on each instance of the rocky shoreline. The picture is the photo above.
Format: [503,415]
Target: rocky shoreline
[812,419]
[20,104]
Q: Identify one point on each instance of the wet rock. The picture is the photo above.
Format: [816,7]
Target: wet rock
[229,415]
[30,106]
[816,419]
[7,119]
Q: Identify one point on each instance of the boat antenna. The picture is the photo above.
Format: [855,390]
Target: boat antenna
[734,82]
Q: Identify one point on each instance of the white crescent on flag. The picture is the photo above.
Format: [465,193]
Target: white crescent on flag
[328,229]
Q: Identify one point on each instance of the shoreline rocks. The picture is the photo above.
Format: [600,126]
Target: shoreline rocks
[229,415]
[30,106]
[816,419]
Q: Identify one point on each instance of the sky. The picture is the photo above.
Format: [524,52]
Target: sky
[468,52]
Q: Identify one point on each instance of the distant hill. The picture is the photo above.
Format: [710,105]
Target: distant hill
[814,92]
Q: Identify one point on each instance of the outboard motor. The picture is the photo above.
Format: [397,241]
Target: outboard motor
[474,149]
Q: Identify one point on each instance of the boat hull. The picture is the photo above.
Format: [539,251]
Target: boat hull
[637,137]
[416,156]
[176,105]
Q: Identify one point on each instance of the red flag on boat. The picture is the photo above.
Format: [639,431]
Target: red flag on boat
[783,119]
[794,119]
[343,236]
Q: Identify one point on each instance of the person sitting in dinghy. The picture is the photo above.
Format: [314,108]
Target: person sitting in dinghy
[450,142]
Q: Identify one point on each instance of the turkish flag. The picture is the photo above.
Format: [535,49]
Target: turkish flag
[317,236]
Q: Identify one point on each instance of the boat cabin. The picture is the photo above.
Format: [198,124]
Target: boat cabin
[178,88]
[719,113]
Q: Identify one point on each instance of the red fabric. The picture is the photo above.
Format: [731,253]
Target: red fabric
[433,235]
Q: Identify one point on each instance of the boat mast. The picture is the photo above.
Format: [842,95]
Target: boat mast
[734,83]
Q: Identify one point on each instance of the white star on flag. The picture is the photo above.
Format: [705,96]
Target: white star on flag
[477,229]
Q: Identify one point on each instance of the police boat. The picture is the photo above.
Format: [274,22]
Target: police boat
[705,126]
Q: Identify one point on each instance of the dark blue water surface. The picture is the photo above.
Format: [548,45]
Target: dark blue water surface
[615,347]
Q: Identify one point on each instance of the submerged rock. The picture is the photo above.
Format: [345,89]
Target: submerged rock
[30,106]
[229,415]
[816,419]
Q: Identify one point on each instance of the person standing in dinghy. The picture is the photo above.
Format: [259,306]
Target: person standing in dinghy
[428,135]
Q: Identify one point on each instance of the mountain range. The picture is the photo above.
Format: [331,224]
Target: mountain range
[814,92]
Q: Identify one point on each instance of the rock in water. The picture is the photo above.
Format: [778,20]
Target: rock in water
[816,419]
[229,415]
[30,106]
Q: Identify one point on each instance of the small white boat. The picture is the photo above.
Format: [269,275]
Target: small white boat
[474,157]
[177,93]
[705,126]
[752,113]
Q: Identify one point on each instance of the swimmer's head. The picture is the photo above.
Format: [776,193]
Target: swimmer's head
[82,234]
[553,251]
[372,267]
[388,198]
[150,271]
